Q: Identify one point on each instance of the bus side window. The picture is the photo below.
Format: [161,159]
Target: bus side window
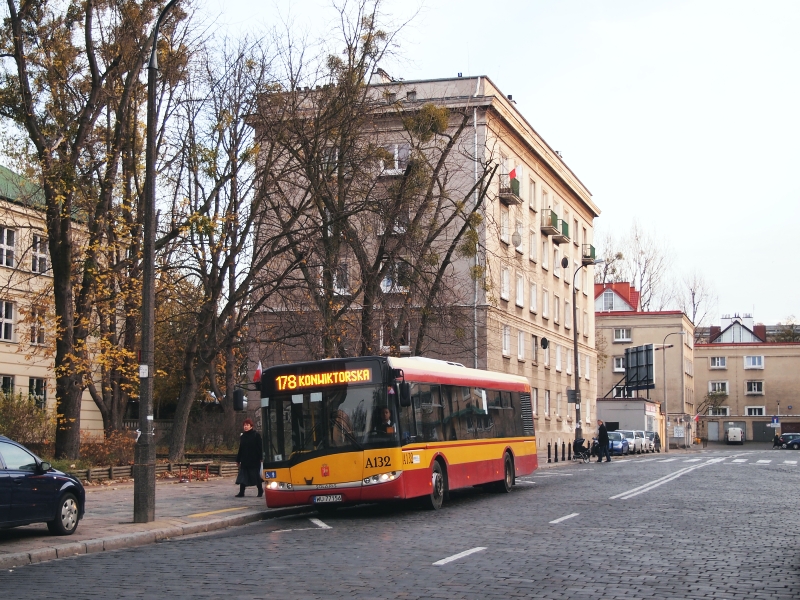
[484,424]
[516,407]
[497,414]
[431,413]
[408,426]
[450,410]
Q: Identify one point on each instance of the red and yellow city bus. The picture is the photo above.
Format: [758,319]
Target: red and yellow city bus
[379,428]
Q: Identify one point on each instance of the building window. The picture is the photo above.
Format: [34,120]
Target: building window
[39,254]
[547,402]
[6,320]
[556,309]
[505,283]
[719,411]
[341,279]
[547,357]
[7,247]
[718,387]
[37,389]
[545,303]
[533,297]
[37,325]
[575,270]
[567,315]
[621,391]
[7,384]
[396,161]
[532,246]
[754,411]
[404,341]
[619,364]
[518,232]
[544,254]
[588,373]
[411,96]
[584,285]
[755,388]
[622,335]
[575,231]
[396,278]
[718,362]
[532,195]
[556,263]
[520,299]
[585,324]
[753,362]
[535,400]
[558,404]
[545,199]
[520,345]
[558,358]
[504,225]
[506,340]
[569,362]
[534,348]
[608,301]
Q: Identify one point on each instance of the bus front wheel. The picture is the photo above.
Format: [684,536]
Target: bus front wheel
[507,482]
[438,487]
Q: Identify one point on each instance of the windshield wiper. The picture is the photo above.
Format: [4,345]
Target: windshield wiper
[349,435]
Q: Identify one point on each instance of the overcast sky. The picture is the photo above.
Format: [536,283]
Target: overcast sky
[680,114]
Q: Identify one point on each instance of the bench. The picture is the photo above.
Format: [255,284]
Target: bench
[198,469]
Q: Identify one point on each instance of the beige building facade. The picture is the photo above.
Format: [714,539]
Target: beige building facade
[754,382]
[27,342]
[674,357]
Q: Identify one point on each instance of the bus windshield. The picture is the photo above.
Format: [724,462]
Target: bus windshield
[352,417]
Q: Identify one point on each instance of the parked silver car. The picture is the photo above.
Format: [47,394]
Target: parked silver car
[635,440]
[648,444]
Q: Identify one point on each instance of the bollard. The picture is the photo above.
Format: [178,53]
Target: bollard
[555,447]
[563,451]
[569,452]
[548,453]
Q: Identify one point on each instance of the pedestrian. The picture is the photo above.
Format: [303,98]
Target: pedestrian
[249,459]
[776,441]
[657,442]
[602,442]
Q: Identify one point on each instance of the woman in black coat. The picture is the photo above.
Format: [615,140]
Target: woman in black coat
[249,460]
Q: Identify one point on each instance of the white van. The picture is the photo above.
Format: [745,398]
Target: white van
[735,435]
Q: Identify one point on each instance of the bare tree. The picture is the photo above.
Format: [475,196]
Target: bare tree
[697,299]
[787,331]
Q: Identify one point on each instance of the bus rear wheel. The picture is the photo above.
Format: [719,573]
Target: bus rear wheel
[504,486]
[438,488]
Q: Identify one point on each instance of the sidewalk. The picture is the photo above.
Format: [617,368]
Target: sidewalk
[181,509]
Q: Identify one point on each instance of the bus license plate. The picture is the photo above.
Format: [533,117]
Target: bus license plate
[331,498]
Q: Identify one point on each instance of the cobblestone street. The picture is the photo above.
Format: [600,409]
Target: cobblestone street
[703,525]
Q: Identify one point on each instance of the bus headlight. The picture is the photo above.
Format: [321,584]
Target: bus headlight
[382,477]
[279,485]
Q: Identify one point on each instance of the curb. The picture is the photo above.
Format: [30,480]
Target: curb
[141,538]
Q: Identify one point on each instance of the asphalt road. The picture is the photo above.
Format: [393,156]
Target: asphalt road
[717,524]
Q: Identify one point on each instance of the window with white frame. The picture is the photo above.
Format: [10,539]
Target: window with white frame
[396,159]
[532,195]
[585,324]
[506,340]
[39,254]
[520,296]
[558,357]
[341,279]
[7,384]
[575,231]
[583,279]
[754,388]
[621,391]
[547,357]
[588,371]
[532,244]
[545,199]
[37,317]
[718,387]
[608,301]
[719,411]
[622,334]
[558,403]
[754,411]
[556,309]
[402,335]
[547,402]
[396,278]
[718,362]
[505,283]
[518,231]
[545,252]
[569,362]
[619,364]
[520,344]
[533,297]
[567,315]
[577,279]
[545,303]
[6,320]
[534,348]
[7,239]
[556,263]
[753,362]
[37,390]
[688,367]
[535,400]
[504,225]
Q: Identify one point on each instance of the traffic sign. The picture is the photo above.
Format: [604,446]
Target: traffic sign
[776,421]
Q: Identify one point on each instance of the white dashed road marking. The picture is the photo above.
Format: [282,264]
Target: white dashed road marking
[739,460]
[790,462]
[320,524]
[564,518]
[763,462]
[668,460]
[450,559]
[692,460]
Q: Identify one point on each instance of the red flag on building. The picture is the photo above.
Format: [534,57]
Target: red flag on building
[516,172]
[257,375]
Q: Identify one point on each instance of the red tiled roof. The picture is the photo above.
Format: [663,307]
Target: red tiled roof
[623,289]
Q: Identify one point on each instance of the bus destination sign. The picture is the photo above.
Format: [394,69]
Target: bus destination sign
[308,380]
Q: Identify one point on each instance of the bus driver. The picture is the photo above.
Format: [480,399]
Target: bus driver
[386,425]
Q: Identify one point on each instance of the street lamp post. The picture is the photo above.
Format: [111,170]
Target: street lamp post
[664,366]
[144,468]
[576,364]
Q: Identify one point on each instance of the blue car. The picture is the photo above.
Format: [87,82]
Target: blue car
[617,443]
[32,491]
[793,444]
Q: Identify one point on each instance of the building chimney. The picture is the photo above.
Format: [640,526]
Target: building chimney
[761,331]
[713,332]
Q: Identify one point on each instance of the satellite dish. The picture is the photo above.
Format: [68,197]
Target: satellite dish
[516,239]
[545,343]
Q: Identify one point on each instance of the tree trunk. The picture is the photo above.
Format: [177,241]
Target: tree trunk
[180,421]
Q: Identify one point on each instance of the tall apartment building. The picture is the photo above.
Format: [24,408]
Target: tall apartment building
[26,304]
[622,324]
[518,316]
[747,381]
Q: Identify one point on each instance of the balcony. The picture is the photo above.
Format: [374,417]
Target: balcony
[509,191]
[563,232]
[587,254]
[550,223]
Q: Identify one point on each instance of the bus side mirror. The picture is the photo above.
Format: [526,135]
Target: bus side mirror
[239,402]
[405,393]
